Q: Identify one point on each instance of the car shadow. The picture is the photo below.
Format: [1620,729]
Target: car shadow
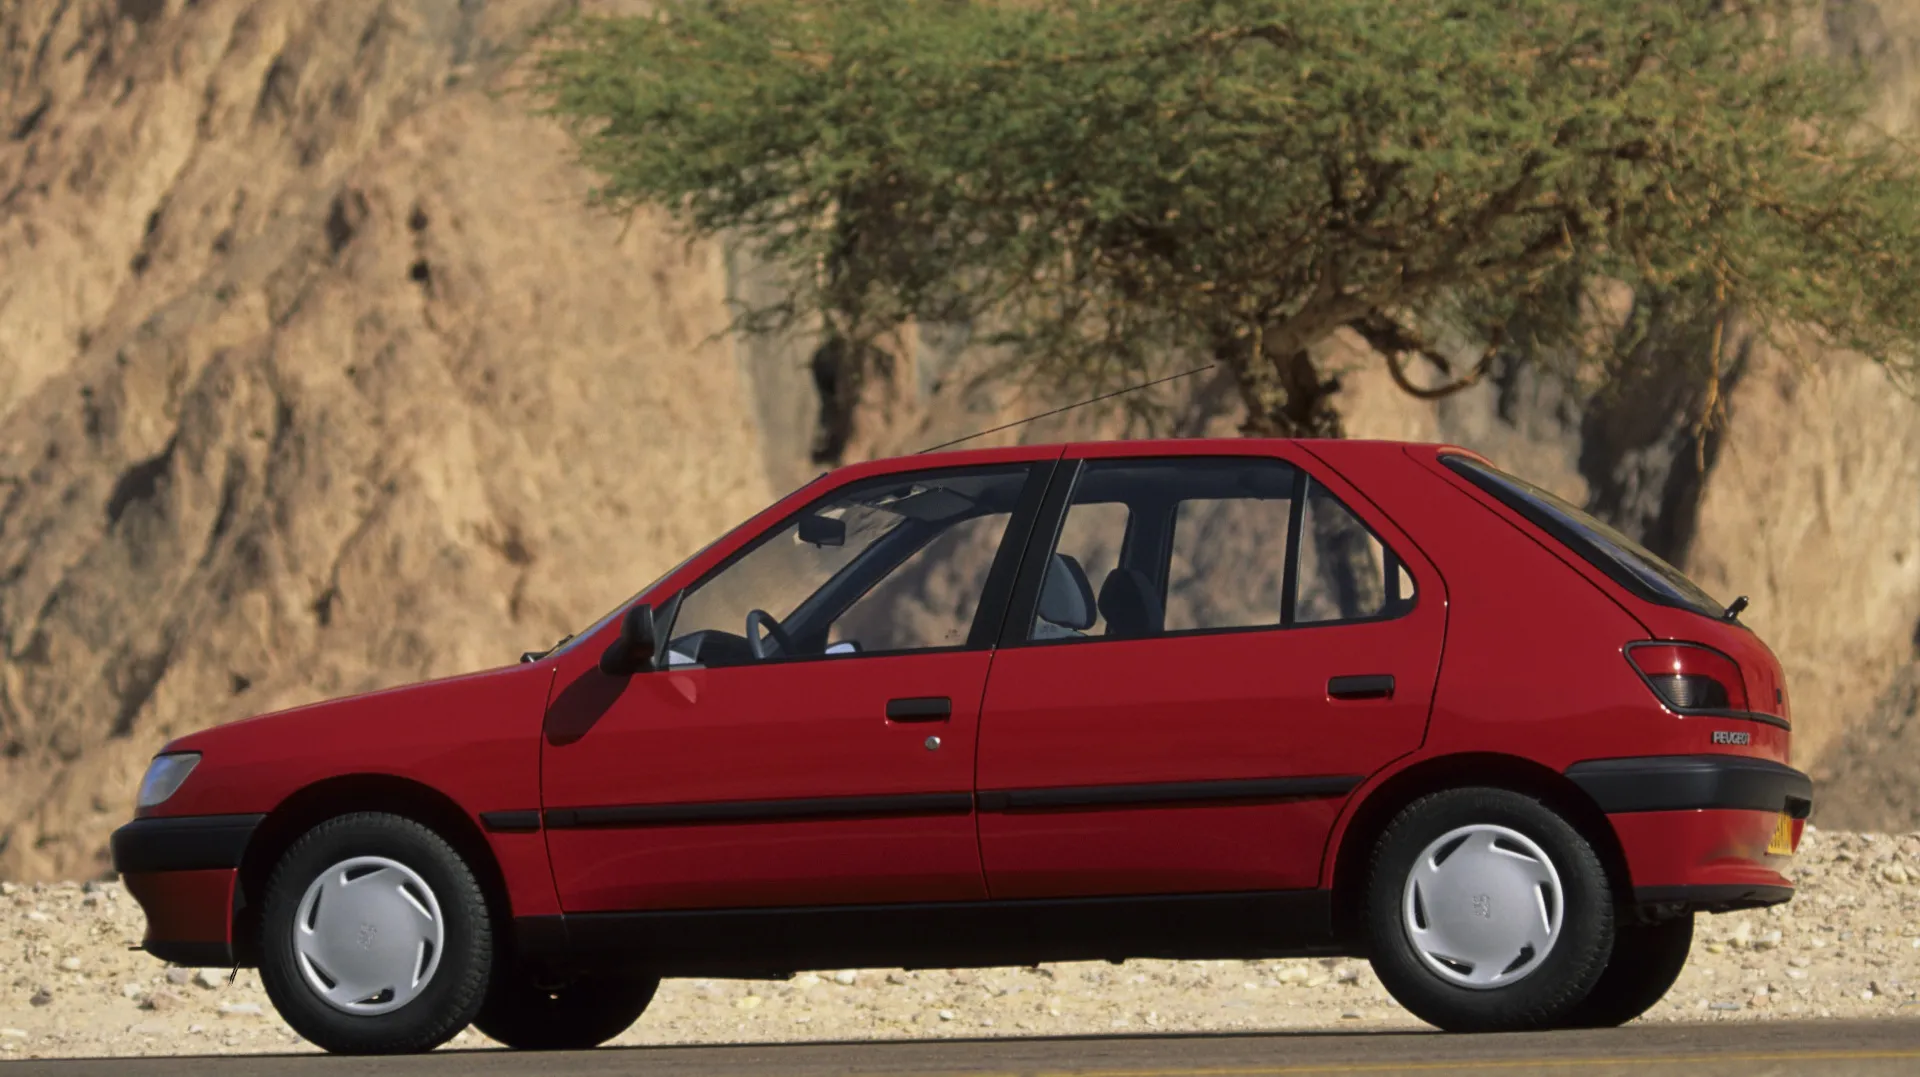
[892,1043]
[930,1042]
[1685,1036]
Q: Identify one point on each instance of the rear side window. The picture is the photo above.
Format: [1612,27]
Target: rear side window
[1345,573]
[1228,568]
[1154,547]
[1628,563]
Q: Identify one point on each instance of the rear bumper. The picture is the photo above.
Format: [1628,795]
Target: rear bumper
[184,872]
[1695,829]
[1694,783]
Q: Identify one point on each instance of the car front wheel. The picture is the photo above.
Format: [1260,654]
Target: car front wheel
[375,937]
[1487,912]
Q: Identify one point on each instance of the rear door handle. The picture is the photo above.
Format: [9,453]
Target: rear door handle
[920,709]
[1363,686]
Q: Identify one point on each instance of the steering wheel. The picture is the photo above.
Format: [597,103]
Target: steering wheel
[776,635]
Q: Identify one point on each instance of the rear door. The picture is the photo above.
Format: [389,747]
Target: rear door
[1205,656]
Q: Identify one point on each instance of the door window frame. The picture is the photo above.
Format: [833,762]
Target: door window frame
[989,614]
[1023,604]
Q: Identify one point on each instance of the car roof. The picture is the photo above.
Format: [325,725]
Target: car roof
[1329,449]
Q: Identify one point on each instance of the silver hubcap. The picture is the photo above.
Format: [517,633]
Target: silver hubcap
[368,935]
[1483,906]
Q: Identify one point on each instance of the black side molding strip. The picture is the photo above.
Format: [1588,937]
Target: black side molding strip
[510,822]
[182,843]
[1164,793]
[758,811]
[1691,782]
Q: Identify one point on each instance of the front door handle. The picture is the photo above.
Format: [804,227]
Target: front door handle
[1364,686]
[920,709]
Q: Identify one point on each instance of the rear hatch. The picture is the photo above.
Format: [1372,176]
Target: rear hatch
[1659,596]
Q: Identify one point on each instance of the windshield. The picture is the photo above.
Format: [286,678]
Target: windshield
[588,632]
[1632,565]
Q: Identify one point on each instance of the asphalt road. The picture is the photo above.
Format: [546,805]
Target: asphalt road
[1769,1049]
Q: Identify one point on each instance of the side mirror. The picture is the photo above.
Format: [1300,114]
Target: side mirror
[633,652]
[822,531]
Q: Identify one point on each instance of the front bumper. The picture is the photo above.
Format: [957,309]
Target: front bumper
[184,872]
[1695,830]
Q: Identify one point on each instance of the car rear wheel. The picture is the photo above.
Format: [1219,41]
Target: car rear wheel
[1487,912]
[375,937]
[1647,959]
[587,1012]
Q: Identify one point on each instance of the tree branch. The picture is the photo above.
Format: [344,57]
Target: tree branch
[1392,340]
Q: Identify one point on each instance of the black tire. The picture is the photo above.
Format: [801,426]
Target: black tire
[454,987]
[1647,959]
[1551,991]
[582,1014]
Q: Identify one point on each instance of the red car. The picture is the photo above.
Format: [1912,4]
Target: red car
[1179,699]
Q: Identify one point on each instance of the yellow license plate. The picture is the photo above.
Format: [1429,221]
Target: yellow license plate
[1782,843]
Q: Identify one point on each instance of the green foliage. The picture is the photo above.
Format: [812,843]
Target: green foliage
[1109,181]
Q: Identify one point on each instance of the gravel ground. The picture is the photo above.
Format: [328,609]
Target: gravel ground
[1847,946]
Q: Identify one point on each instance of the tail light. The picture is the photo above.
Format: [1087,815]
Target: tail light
[1690,677]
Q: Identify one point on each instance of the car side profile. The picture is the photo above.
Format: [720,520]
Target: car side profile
[1169,699]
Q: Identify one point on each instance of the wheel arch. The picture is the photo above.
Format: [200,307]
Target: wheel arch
[1490,769]
[314,804]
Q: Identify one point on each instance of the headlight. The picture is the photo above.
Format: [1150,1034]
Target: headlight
[164,776]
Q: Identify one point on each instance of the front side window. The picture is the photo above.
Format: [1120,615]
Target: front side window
[1158,547]
[887,565]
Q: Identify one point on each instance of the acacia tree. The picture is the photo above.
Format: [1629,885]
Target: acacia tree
[1110,182]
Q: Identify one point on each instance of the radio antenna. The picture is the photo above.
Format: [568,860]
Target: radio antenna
[1069,407]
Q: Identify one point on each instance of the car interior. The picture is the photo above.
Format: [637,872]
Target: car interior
[1131,601]
[881,528]
[865,535]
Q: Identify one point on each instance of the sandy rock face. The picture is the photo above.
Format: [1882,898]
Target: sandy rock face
[322,380]
[1813,510]
[1847,946]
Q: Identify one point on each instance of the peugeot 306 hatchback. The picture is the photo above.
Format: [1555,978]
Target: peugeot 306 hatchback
[1184,699]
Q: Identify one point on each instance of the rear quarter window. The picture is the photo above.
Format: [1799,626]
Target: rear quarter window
[1625,561]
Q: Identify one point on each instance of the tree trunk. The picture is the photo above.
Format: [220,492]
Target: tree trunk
[1285,394]
[842,371]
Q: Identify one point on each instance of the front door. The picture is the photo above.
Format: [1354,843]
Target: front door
[811,739]
[1209,654]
